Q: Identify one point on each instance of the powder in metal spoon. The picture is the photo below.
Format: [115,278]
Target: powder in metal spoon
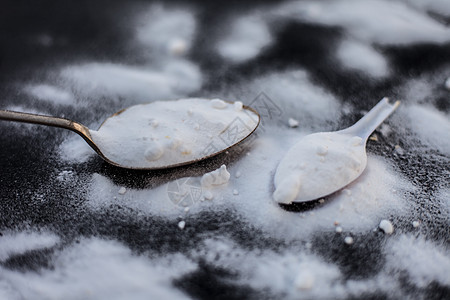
[167,133]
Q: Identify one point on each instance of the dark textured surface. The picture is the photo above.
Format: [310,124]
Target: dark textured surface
[31,198]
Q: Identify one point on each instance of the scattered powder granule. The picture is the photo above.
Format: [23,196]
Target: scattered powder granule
[447,83]
[304,281]
[348,240]
[216,177]
[386,226]
[399,150]
[122,191]
[293,123]
[415,224]
[181,224]
[208,195]
[235,192]
[338,229]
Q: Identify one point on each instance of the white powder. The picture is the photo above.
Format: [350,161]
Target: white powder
[415,224]
[374,21]
[122,191]
[431,125]
[439,7]
[360,56]
[208,195]
[217,177]
[168,133]
[165,31]
[293,123]
[386,226]
[424,261]
[248,36]
[53,94]
[175,78]
[20,242]
[181,224]
[348,240]
[318,165]
[101,269]
[293,92]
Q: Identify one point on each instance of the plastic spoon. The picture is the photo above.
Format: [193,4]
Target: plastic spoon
[325,162]
[94,140]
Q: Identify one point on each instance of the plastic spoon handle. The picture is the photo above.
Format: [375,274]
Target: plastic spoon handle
[367,124]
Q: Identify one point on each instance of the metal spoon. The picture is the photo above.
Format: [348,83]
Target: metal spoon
[85,133]
[325,162]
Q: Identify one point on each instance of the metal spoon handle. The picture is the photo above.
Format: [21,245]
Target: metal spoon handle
[367,124]
[82,130]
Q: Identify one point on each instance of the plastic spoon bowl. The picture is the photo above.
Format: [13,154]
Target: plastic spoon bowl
[87,134]
[325,162]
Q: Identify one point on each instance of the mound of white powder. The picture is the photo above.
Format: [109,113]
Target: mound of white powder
[169,133]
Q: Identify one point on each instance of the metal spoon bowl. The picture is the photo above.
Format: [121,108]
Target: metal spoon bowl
[85,133]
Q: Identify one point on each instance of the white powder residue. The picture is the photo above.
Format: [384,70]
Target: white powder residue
[386,226]
[431,125]
[348,240]
[175,78]
[50,93]
[289,274]
[416,90]
[248,36]
[424,261]
[293,123]
[375,21]
[98,269]
[440,7]
[356,55]
[293,92]
[447,84]
[377,192]
[181,224]
[21,242]
[187,130]
[217,177]
[443,196]
[415,224]
[75,149]
[165,31]
[318,165]
[158,201]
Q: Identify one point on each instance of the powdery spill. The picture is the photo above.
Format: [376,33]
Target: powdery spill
[99,269]
[360,207]
[95,268]
[19,243]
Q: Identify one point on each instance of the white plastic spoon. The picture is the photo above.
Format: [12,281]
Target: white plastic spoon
[325,162]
